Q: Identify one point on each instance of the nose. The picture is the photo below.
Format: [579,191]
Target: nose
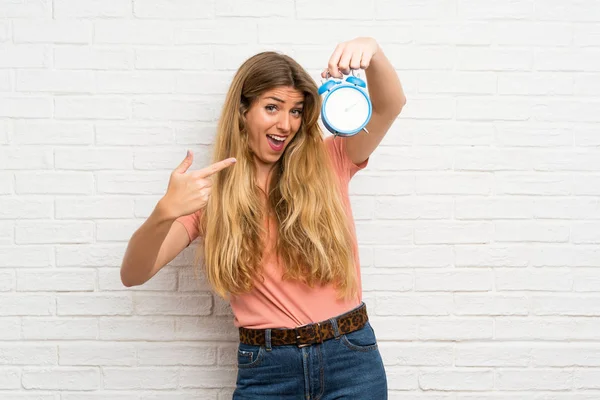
[283,124]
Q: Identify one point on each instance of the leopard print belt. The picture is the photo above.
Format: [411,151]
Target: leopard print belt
[307,335]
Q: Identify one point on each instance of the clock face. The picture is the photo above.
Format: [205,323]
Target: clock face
[347,109]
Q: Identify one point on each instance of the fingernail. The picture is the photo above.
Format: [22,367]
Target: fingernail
[233,160]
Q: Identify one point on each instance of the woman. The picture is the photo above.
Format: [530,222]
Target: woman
[277,234]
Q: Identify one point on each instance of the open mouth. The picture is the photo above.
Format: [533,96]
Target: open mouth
[276,142]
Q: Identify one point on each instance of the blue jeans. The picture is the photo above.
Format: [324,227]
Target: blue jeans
[346,367]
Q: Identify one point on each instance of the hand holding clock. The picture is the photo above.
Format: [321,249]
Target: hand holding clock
[354,54]
[346,108]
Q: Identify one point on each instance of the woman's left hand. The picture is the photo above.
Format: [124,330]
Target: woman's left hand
[354,54]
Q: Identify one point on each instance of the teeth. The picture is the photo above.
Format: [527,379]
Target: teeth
[278,138]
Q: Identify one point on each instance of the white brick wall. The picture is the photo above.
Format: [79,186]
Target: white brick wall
[478,217]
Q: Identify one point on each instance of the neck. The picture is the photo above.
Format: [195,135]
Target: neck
[263,174]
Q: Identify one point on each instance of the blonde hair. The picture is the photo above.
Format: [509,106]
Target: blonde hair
[314,240]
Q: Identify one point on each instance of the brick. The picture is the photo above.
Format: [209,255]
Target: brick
[42,328]
[26,257]
[137,328]
[543,379]
[59,378]
[314,10]
[490,304]
[472,208]
[49,232]
[134,183]
[92,58]
[472,379]
[25,9]
[94,207]
[540,183]
[373,232]
[453,232]
[89,255]
[136,82]
[93,304]
[140,378]
[45,132]
[519,134]
[260,8]
[390,207]
[413,256]
[10,378]
[93,159]
[132,133]
[454,281]
[21,304]
[55,281]
[26,353]
[388,9]
[518,231]
[499,59]
[454,183]
[457,82]
[7,281]
[24,56]
[92,108]
[586,10]
[538,279]
[487,355]
[5,33]
[25,107]
[394,159]
[542,84]
[91,9]
[180,9]
[179,110]
[6,85]
[184,304]
[36,31]
[458,329]
[194,58]
[382,184]
[176,354]
[54,183]
[136,32]
[453,33]
[109,354]
[55,81]
[492,255]
[25,158]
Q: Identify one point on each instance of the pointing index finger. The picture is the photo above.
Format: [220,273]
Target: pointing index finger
[214,168]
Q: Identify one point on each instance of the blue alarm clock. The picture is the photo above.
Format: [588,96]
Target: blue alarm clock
[346,108]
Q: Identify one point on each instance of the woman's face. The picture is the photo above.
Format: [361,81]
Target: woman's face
[272,122]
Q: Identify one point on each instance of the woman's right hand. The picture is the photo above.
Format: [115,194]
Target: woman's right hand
[188,193]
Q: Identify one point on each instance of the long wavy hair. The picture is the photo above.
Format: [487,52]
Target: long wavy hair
[314,240]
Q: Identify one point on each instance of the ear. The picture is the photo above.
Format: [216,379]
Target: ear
[244,105]
[242,119]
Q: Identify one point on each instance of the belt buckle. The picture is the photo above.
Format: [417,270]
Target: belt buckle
[300,345]
[317,333]
[319,337]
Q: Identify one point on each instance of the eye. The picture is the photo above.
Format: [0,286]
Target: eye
[271,108]
[298,112]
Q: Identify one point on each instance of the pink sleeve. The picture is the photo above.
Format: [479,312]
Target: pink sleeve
[191,224]
[345,168]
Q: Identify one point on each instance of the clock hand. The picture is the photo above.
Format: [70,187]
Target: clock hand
[348,109]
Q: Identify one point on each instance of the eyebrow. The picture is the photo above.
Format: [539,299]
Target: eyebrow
[281,101]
